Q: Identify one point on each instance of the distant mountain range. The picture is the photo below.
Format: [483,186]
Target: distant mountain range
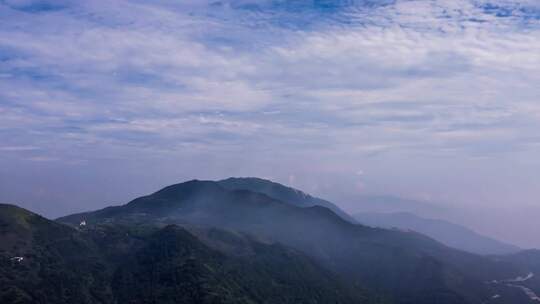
[450,234]
[239,241]
[392,204]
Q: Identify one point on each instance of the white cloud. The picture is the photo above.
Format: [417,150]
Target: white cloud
[18,148]
[417,66]
[402,84]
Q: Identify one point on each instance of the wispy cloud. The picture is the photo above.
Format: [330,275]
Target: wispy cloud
[18,148]
[344,82]
[420,66]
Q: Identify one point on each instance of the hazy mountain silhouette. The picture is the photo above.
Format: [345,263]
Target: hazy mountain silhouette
[450,234]
[392,204]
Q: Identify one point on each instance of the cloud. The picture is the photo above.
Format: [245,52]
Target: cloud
[422,69]
[18,148]
[281,85]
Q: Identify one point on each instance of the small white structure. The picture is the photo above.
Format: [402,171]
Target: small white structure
[17,259]
[82,224]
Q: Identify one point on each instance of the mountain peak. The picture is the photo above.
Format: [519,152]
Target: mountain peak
[188,188]
[14,215]
[282,193]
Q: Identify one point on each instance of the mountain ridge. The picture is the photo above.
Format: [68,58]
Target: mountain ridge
[416,269]
[448,233]
[283,193]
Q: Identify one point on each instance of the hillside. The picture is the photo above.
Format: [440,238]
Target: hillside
[407,267]
[147,264]
[58,265]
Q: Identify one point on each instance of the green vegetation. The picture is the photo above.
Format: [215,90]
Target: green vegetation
[112,263]
[406,267]
[198,242]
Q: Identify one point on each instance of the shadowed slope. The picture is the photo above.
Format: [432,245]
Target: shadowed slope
[114,263]
[58,264]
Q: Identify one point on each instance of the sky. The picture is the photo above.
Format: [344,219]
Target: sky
[433,101]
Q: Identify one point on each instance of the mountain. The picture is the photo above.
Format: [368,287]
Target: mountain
[450,234]
[114,263]
[403,267]
[58,264]
[281,193]
[176,267]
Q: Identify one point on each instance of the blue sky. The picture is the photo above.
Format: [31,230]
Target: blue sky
[101,101]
